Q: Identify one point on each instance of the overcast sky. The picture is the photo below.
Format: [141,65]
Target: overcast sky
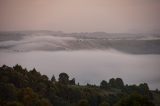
[81,15]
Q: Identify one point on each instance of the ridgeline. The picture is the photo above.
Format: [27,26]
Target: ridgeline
[20,87]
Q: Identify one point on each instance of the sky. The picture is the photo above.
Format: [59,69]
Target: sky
[117,16]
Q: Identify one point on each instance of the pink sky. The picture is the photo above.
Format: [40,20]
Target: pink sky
[81,15]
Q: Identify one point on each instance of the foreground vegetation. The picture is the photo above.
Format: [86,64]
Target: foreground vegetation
[20,87]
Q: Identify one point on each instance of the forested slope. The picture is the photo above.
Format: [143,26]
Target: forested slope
[20,87]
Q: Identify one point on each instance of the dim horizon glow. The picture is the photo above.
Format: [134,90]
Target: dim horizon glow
[120,16]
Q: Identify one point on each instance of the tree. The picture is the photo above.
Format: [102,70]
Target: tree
[63,78]
[44,77]
[119,83]
[8,92]
[104,84]
[18,87]
[144,90]
[112,83]
[28,97]
[144,86]
[157,91]
[72,81]
[53,79]
[18,67]
[116,83]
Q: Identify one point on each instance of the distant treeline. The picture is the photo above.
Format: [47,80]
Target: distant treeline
[20,87]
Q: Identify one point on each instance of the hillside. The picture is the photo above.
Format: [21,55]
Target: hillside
[20,87]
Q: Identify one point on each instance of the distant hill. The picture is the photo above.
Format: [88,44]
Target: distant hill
[25,41]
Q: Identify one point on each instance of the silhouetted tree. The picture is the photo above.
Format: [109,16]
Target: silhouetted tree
[104,84]
[116,83]
[119,83]
[18,67]
[53,79]
[72,81]
[63,78]
[112,82]
[144,86]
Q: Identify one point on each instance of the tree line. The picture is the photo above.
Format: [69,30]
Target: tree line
[20,87]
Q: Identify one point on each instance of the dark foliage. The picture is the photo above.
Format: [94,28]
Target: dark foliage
[20,87]
[134,100]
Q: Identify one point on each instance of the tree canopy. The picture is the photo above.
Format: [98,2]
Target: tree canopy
[21,87]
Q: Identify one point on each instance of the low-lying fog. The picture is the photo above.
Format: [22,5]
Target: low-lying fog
[90,66]
[89,57]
